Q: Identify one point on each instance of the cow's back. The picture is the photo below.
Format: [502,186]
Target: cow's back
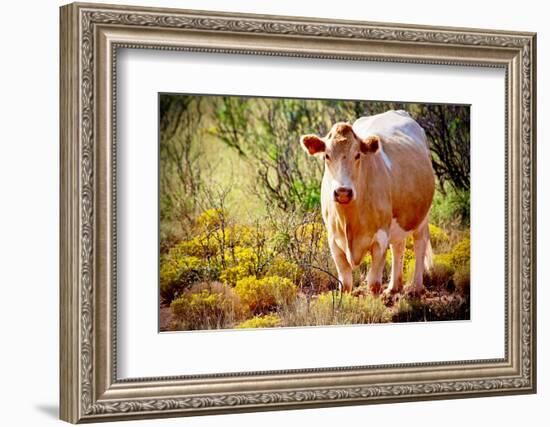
[405,152]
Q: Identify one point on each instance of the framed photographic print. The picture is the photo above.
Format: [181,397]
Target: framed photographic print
[266,212]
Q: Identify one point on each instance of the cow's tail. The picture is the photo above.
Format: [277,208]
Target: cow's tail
[429,257]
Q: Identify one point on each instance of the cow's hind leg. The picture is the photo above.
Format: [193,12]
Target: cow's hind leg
[421,238]
[342,266]
[396,278]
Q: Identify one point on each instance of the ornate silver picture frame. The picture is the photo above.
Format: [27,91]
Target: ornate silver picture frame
[91,34]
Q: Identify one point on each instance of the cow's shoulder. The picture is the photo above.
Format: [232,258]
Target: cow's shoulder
[385,124]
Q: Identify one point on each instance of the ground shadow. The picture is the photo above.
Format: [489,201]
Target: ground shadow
[49,409]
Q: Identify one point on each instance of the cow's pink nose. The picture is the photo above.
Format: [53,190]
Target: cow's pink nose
[343,195]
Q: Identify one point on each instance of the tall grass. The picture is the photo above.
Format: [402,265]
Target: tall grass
[334,308]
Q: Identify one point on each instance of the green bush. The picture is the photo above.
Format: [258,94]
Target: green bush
[265,321]
[450,206]
[268,293]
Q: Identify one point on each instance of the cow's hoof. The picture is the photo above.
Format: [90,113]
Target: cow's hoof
[375,288]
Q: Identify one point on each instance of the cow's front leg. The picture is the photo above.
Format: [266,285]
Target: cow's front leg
[342,266]
[374,276]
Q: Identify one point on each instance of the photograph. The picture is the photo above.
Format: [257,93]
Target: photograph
[289,212]
[261,211]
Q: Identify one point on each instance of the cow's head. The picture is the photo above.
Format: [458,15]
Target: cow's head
[342,150]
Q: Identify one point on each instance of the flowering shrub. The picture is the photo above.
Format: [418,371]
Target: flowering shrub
[231,275]
[460,255]
[176,273]
[444,260]
[268,293]
[210,219]
[207,306]
[438,237]
[265,321]
[441,272]
[241,263]
[281,267]
[201,246]
[311,236]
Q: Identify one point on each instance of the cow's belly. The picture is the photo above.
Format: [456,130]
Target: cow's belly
[397,234]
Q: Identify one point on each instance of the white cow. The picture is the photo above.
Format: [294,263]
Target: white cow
[377,188]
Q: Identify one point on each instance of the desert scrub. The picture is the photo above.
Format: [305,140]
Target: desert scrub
[265,321]
[177,272]
[402,310]
[408,265]
[266,294]
[281,267]
[438,237]
[408,257]
[206,306]
[461,279]
[441,272]
[242,262]
[201,246]
[345,309]
[210,219]
[423,309]
[460,254]
[310,236]
[231,275]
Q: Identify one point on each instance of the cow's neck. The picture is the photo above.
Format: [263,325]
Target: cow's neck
[357,222]
[348,230]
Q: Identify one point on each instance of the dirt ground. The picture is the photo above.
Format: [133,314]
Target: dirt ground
[166,318]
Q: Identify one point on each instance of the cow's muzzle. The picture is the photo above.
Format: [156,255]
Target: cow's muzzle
[343,195]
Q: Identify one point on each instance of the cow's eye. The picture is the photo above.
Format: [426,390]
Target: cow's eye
[357,156]
[327,157]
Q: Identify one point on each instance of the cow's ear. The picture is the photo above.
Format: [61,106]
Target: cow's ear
[312,144]
[370,144]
